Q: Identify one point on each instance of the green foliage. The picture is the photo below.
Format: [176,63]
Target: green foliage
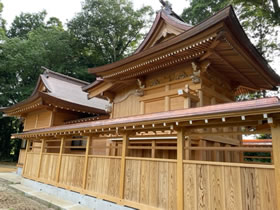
[199,10]
[25,23]
[8,146]
[258,18]
[107,30]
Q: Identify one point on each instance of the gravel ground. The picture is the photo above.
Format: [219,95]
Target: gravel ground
[11,199]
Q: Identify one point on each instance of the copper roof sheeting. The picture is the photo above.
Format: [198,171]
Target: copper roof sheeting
[227,108]
[257,142]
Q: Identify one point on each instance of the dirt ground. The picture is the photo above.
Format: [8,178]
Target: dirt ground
[11,199]
[7,167]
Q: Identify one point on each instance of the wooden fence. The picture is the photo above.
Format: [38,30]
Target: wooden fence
[151,183]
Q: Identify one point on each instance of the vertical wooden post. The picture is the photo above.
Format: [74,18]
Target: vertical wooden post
[25,155]
[142,107]
[187,151]
[40,158]
[275,131]
[153,149]
[200,96]
[125,143]
[227,155]
[86,162]
[216,154]
[187,102]
[180,168]
[58,166]
[166,100]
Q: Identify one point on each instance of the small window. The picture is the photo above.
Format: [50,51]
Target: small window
[78,143]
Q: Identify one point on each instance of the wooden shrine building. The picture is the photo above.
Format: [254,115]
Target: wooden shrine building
[161,129]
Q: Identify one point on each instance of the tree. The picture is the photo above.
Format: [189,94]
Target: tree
[199,10]
[20,66]
[2,22]
[26,22]
[257,17]
[108,30]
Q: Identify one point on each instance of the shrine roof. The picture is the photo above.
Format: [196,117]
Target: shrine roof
[226,110]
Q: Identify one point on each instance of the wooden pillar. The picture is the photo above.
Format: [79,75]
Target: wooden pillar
[58,166]
[187,102]
[275,131]
[166,100]
[40,158]
[142,107]
[125,143]
[25,156]
[200,96]
[153,149]
[216,154]
[86,162]
[187,151]
[201,154]
[180,168]
[227,155]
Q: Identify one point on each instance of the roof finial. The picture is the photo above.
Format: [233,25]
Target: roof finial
[166,6]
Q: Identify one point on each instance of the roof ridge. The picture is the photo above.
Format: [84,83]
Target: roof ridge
[48,71]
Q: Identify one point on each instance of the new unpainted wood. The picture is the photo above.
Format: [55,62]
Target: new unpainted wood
[275,131]
[41,153]
[62,144]
[125,143]
[25,157]
[180,170]
[86,162]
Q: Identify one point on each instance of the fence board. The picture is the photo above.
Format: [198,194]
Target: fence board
[228,187]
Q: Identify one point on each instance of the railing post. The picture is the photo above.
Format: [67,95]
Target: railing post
[180,168]
[275,131]
[86,163]
[122,172]
[40,158]
[58,166]
[25,155]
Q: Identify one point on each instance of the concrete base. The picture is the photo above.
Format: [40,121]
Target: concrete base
[11,177]
[77,198]
[19,171]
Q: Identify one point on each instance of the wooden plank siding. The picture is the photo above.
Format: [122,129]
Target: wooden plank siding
[152,183]
[228,187]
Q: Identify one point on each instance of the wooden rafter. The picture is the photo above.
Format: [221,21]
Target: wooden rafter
[235,69]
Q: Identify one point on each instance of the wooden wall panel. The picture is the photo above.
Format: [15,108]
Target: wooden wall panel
[227,187]
[176,103]
[71,170]
[104,175]
[152,183]
[48,167]
[154,106]
[44,119]
[38,119]
[128,107]
[32,164]
[30,121]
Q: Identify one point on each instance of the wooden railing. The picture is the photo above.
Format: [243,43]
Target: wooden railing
[153,183]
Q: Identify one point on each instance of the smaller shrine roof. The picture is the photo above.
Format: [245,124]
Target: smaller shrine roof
[56,88]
